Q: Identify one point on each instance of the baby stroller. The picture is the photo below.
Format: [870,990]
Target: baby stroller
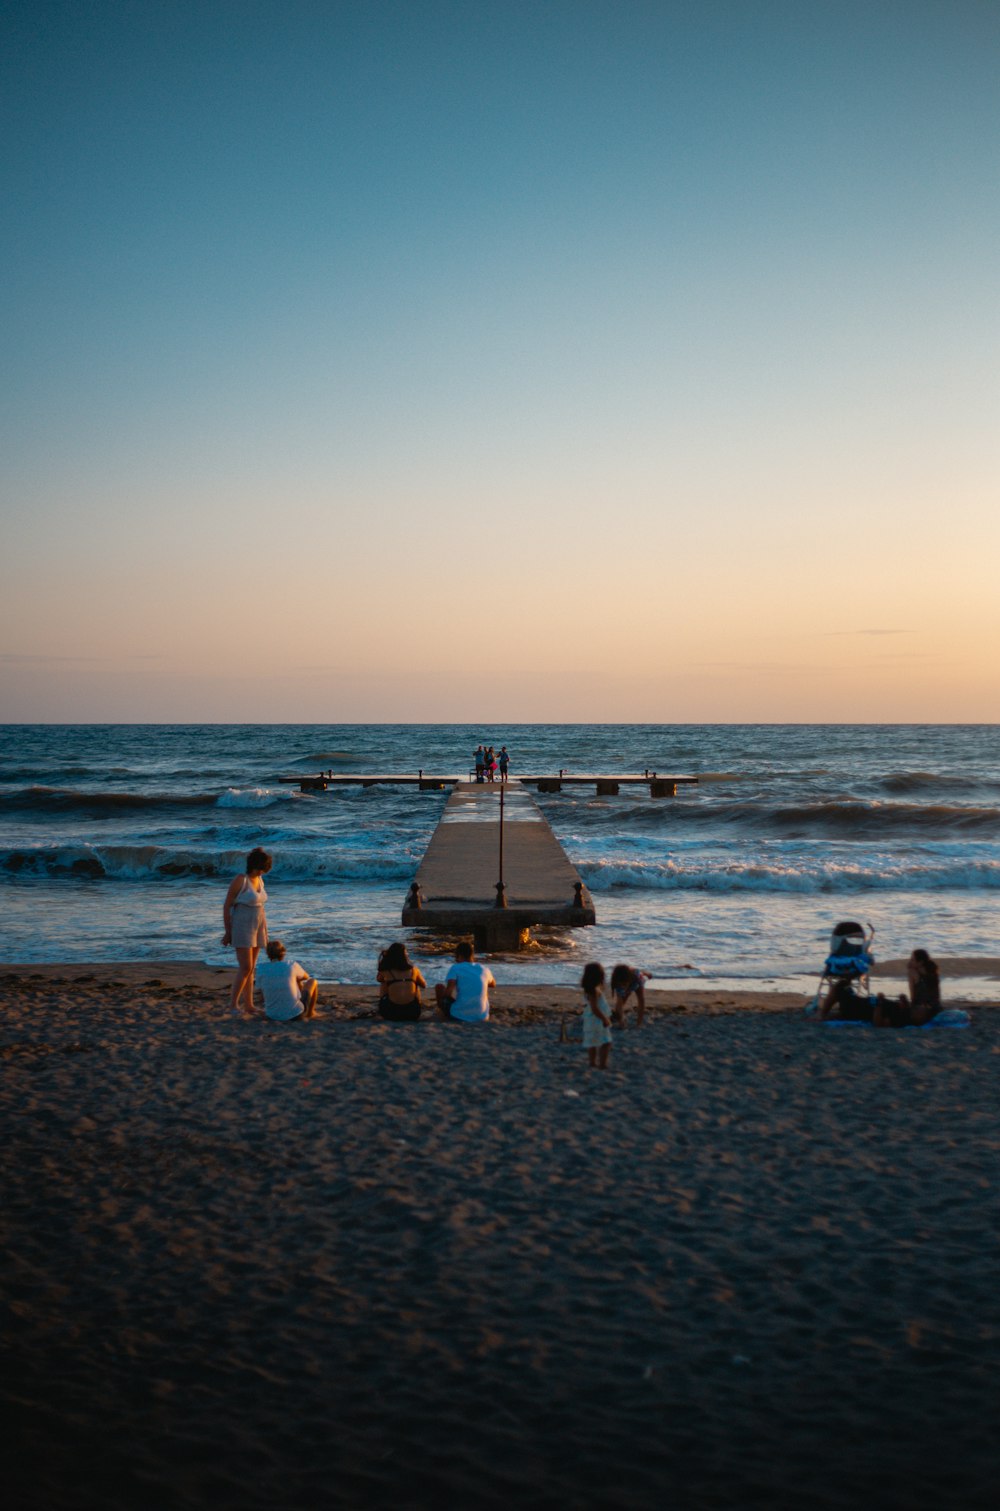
[850,960]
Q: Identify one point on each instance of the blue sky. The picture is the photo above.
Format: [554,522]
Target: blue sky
[474,324]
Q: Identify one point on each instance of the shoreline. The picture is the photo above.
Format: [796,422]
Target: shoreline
[526,1001]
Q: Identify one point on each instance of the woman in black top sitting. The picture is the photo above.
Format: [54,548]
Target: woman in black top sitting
[401,985]
[924,1001]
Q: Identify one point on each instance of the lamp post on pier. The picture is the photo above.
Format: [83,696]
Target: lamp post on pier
[501,898]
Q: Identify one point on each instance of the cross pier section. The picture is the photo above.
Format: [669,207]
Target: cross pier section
[493,867]
[660,785]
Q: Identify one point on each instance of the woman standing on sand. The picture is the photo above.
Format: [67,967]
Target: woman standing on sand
[596,1016]
[245,924]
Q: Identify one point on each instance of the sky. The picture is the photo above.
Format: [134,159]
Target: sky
[433,360]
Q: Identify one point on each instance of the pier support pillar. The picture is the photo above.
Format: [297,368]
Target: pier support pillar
[497,935]
[659,788]
[607,789]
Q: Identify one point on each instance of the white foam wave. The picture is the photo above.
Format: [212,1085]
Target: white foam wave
[803,876]
[254,797]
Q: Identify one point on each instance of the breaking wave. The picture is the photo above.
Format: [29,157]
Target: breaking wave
[70,801]
[142,863]
[829,818]
[820,875]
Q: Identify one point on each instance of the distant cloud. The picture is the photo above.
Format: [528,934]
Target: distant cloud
[22,658]
[797,668]
[16,658]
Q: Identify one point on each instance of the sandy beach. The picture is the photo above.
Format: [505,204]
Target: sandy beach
[352,1264]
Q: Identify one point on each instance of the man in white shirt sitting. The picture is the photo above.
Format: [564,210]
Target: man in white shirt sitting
[464,993]
[289,991]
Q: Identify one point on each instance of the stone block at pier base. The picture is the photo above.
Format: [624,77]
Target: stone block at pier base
[607,789]
[498,935]
[660,788]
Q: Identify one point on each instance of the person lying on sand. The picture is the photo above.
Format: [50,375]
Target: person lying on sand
[289,990]
[924,1001]
[845,1002]
[463,996]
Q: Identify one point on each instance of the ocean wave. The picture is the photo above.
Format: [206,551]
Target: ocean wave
[326,758]
[63,800]
[821,875]
[934,782]
[55,773]
[141,863]
[857,820]
[825,818]
[256,797]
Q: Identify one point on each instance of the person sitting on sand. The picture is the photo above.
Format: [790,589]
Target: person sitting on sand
[401,985]
[626,981]
[596,1015]
[924,1001]
[464,994]
[289,990]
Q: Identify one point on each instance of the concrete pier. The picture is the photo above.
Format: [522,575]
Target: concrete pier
[455,888]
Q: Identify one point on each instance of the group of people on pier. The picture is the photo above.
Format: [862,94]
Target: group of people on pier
[488,762]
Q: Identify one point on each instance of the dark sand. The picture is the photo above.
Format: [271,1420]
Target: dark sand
[346,1264]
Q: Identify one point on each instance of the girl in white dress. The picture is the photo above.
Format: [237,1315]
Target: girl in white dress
[596,1015]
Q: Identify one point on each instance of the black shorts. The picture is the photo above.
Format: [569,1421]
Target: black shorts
[392,1012]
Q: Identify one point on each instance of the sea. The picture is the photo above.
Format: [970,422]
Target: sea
[117,842]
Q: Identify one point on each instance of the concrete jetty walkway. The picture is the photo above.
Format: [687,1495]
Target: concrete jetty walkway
[457,878]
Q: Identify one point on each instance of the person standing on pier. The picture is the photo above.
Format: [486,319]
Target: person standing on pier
[480,760]
[504,762]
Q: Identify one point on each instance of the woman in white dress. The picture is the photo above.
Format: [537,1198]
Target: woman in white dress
[245,924]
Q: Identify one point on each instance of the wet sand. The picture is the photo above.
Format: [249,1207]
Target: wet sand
[352,1264]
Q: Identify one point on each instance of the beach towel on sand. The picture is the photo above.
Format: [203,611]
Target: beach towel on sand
[948,1017]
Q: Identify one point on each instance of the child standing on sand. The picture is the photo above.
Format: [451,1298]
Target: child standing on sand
[596,1015]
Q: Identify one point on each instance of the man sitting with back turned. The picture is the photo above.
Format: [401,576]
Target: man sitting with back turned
[289,991]
[464,994]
